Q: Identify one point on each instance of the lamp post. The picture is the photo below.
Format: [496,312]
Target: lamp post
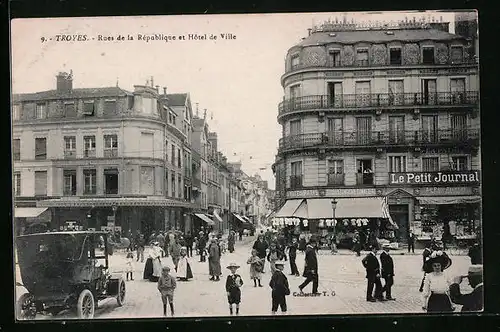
[334,206]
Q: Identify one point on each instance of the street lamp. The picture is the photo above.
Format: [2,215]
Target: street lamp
[334,206]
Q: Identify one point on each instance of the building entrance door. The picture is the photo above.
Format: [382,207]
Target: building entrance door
[400,215]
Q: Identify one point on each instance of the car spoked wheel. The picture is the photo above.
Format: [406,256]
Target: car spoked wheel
[86,305]
[24,307]
[120,298]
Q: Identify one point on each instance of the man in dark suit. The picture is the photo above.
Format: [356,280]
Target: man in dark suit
[426,253]
[411,242]
[475,254]
[311,267]
[472,301]
[372,266]
[387,272]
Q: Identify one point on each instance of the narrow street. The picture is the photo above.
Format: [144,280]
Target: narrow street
[342,279]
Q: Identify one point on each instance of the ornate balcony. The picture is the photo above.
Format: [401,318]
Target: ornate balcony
[384,139]
[378,100]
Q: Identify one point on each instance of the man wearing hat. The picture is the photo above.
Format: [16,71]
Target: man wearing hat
[233,284]
[311,267]
[474,300]
[373,274]
[280,288]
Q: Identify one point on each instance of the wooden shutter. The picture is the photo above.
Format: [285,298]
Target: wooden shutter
[364,129]
[40,183]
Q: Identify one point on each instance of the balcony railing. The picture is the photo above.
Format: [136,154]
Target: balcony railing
[364,179]
[336,179]
[295,181]
[379,138]
[323,102]
[110,153]
[89,153]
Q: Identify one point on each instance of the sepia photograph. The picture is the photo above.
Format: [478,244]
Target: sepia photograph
[185,166]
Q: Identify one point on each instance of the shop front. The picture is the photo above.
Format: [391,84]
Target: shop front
[29,220]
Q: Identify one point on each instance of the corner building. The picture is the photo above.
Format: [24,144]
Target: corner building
[384,111]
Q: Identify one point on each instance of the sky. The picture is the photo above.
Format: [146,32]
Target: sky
[236,80]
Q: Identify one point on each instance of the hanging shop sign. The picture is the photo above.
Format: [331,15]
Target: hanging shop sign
[443,191]
[348,192]
[435,178]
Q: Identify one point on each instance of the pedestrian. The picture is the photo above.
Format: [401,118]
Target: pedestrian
[189,244]
[272,257]
[474,300]
[129,270]
[372,266]
[233,285]
[240,233]
[256,265]
[230,241]
[132,241]
[160,238]
[292,254]
[155,254]
[214,254]
[280,288]
[202,243]
[141,244]
[333,244]
[411,242]
[436,292]
[302,242]
[174,249]
[261,246]
[356,243]
[311,267]
[475,254]
[387,273]
[425,254]
[166,286]
[184,272]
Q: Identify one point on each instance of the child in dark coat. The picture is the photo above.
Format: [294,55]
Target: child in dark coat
[280,288]
[233,284]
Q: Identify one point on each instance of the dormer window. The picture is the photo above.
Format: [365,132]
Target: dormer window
[88,108]
[16,112]
[335,58]
[41,111]
[457,54]
[362,58]
[295,61]
[428,55]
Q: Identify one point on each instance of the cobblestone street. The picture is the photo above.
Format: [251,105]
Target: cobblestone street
[342,279]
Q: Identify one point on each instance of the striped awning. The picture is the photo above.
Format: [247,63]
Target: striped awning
[205,218]
[119,201]
[239,217]
[289,208]
[216,215]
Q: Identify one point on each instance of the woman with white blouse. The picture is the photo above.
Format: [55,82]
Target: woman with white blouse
[436,284]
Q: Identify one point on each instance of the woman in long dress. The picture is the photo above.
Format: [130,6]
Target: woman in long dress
[184,272]
[156,253]
[214,253]
[436,296]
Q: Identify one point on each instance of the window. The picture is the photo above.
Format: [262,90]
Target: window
[295,127]
[335,131]
[362,58]
[40,183]
[396,129]
[459,127]
[295,61]
[459,163]
[395,56]
[428,55]
[69,110]
[109,107]
[69,182]
[90,181]
[429,128]
[110,146]
[40,148]
[88,108]
[69,146]
[16,149]
[166,182]
[173,155]
[397,164]
[296,174]
[364,175]
[41,111]
[396,92]
[457,86]
[363,93]
[430,164]
[363,130]
[335,172]
[17,184]
[111,181]
[335,58]
[16,112]
[89,146]
[172,181]
[179,185]
[179,159]
[457,54]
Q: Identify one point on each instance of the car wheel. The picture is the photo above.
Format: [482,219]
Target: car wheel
[120,298]
[85,307]
[23,307]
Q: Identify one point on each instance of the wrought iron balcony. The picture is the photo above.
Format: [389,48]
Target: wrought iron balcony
[376,100]
[335,179]
[296,181]
[385,138]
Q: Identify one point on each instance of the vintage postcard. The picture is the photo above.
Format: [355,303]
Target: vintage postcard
[246,165]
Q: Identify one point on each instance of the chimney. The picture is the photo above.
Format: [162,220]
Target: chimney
[165,91]
[197,111]
[64,82]
[309,31]
[157,88]
[152,81]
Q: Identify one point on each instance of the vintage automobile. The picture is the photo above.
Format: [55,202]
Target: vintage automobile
[65,270]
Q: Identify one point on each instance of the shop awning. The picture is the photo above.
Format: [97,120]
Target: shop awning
[118,201]
[216,215]
[246,219]
[28,212]
[302,211]
[205,218]
[239,217]
[360,207]
[320,208]
[289,208]
[448,200]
